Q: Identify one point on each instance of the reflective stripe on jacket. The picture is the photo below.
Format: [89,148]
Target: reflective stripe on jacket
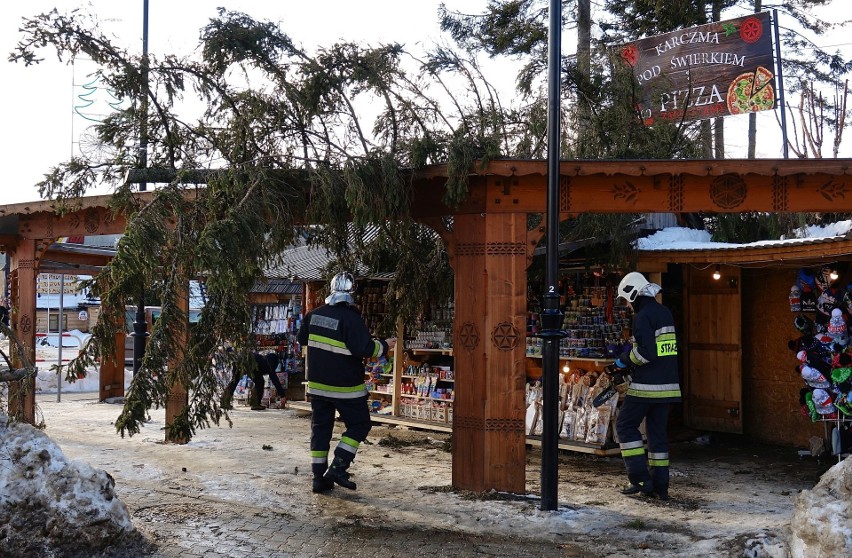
[338,341]
[654,353]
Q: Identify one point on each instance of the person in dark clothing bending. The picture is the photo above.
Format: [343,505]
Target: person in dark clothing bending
[4,313]
[652,365]
[265,365]
[261,366]
[338,340]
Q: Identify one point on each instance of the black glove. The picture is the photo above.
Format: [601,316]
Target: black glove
[619,377]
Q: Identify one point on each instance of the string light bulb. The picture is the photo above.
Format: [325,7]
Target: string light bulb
[717,274]
[833,275]
[566,368]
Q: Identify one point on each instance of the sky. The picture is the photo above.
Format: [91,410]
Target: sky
[38,102]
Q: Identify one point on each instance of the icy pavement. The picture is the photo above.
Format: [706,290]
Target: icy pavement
[245,491]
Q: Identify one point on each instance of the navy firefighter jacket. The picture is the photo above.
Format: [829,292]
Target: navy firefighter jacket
[654,353]
[338,341]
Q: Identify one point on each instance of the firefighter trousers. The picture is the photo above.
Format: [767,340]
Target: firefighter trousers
[356,418]
[651,466]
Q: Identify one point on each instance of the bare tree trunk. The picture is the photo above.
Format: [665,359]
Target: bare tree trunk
[584,55]
[707,138]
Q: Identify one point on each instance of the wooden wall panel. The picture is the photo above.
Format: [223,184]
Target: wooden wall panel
[770,384]
[714,370]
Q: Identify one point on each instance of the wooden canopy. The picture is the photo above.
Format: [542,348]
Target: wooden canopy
[490,238]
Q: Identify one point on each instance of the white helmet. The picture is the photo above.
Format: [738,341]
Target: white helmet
[631,284]
[342,286]
[343,282]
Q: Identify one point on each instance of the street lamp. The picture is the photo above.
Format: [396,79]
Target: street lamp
[551,316]
[140,326]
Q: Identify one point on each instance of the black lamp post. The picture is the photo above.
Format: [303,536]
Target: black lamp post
[551,316]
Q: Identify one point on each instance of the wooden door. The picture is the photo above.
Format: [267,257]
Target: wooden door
[713,357]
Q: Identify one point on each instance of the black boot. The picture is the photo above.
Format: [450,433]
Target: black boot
[322,484]
[643,488]
[338,474]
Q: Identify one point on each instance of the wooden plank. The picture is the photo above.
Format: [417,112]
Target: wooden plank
[534,441]
[716,347]
[807,251]
[713,360]
[713,408]
[112,370]
[646,186]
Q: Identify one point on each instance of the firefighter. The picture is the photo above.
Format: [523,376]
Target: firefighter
[338,341]
[652,366]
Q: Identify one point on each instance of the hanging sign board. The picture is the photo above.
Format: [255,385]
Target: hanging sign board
[704,72]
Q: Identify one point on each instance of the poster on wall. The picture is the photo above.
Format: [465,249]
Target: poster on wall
[719,69]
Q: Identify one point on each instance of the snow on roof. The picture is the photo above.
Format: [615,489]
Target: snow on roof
[681,238]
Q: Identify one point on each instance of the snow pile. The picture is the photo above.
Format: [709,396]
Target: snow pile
[677,237]
[681,238]
[840,228]
[49,503]
[822,516]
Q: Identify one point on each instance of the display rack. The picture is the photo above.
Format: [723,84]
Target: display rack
[415,389]
[839,422]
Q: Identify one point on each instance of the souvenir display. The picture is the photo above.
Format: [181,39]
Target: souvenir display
[823,350]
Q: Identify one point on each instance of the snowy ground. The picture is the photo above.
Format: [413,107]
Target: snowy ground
[729,498]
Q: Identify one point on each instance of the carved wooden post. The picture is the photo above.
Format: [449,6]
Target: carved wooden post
[23,270]
[177,400]
[488,253]
[112,369]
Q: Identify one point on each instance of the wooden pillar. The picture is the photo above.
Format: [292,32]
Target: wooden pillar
[112,370]
[488,253]
[177,400]
[23,271]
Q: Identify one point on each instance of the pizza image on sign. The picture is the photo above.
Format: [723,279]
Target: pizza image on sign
[751,92]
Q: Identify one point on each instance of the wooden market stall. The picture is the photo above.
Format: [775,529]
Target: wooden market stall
[490,238]
[739,373]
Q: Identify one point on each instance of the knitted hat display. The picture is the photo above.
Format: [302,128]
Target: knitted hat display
[840,375]
[804,324]
[846,299]
[828,300]
[806,280]
[814,378]
[811,406]
[804,343]
[807,287]
[822,278]
[841,358]
[795,298]
[843,404]
[823,402]
[814,361]
[837,327]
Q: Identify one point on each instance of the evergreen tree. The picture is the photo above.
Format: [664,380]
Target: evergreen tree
[286,145]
